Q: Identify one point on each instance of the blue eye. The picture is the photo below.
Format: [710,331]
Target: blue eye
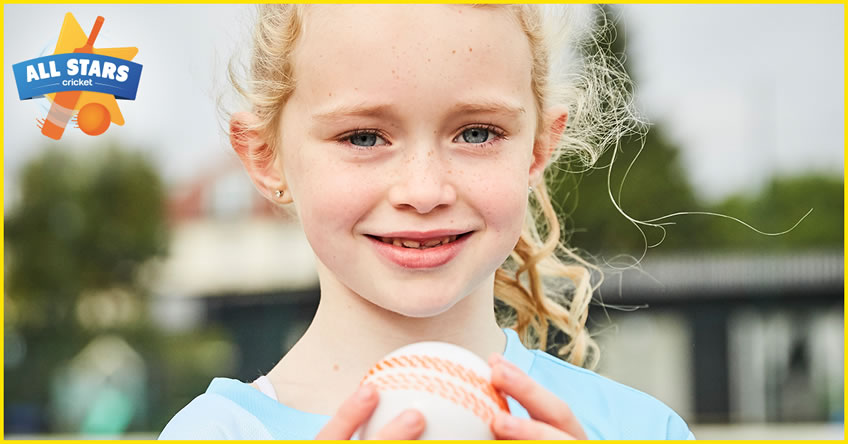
[364,139]
[475,135]
[480,135]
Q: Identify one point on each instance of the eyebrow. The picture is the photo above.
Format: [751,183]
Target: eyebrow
[358,110]
[489,107]
[384,110]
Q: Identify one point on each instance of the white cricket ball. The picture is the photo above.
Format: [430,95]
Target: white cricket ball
[448,384]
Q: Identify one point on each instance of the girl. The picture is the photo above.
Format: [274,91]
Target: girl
[407,140]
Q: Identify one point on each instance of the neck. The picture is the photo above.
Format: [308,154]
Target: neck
[349,334]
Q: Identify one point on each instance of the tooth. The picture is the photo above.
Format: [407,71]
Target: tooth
[411,244]
[445,240]
[452,238]
[397,243]
[432,242]
[387,240]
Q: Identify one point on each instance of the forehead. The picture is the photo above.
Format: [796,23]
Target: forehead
[411,51]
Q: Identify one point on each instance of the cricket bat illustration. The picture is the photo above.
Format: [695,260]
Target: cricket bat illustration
[64,103]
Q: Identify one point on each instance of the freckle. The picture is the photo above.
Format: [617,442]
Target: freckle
[335,367]
[469,49]
[330,94]
[453,52]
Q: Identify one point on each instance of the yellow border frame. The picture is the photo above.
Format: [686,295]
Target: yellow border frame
[2,84]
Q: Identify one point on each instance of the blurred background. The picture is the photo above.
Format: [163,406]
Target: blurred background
[140,264]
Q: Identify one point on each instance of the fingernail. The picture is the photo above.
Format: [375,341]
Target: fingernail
[507,374]
[493,359]
[410,418]
[508,422]
[365,393]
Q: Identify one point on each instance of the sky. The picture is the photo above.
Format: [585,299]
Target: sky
[746,91]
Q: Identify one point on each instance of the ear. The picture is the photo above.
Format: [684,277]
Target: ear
[261,163]
[553,125]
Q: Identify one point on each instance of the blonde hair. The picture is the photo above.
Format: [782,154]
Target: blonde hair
[543,282]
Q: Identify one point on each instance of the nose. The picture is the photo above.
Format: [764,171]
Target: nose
[422,183]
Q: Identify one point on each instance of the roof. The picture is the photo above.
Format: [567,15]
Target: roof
[701,274]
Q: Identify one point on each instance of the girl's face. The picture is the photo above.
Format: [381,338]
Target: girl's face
[410,126]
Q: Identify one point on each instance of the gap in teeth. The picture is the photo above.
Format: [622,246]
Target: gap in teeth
[409,243]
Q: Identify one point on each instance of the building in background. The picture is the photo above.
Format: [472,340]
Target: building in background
[239,262]
[732,338]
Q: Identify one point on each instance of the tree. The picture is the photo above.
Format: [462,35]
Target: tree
[775,208]
[656,185]
[80,232]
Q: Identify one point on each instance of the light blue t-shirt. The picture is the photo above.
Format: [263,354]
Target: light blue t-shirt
[232,409]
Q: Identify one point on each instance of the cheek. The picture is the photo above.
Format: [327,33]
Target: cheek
[502,204]
[328,208]
[505,214]
[502,201]
[330,197]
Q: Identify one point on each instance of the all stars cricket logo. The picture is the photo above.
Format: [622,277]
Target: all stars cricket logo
[81,82]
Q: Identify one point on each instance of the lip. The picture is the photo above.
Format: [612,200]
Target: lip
[422,235]
[420,259]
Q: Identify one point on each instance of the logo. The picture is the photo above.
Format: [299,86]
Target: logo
[83,83]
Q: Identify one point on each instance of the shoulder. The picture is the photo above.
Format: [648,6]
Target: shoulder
[607,409]
[213,416]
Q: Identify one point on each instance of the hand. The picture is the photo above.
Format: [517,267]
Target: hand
[356,409]
[551,417]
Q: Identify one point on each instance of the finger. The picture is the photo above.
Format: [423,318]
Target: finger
[541,404]
[506,426]
[353,412]
[408,425]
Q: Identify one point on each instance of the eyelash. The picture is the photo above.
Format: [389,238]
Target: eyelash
[345,138]
[498,133]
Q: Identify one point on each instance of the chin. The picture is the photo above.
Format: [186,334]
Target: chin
[422,312]
[420,305]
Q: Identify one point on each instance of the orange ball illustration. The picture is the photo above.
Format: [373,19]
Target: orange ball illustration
[93,119]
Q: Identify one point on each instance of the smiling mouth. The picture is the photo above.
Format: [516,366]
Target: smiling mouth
[419,244]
